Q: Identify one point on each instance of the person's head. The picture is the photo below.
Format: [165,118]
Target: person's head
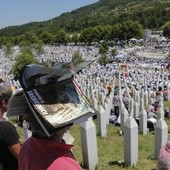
[37,130]
[5,95]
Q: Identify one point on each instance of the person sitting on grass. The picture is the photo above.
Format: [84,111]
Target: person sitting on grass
[41,152]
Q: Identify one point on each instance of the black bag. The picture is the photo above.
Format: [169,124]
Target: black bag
[1,167]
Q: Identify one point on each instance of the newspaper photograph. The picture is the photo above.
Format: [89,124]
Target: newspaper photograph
[59,104]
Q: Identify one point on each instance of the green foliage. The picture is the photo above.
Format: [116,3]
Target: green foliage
[33,48]
[86,35]
[38,48]
[166,29]
[131,29]
[103,48]
[31,38]
[77,58]
[103,59]
[106,34]
[60,37]
[47,37]
[8,49]
[150,14]
[22,60]
[7,41]
[114,52]
[116,31]
[75,38]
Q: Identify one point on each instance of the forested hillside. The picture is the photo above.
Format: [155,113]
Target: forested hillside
[151,14]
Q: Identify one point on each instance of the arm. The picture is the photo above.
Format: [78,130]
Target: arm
[11,139]
[15,149]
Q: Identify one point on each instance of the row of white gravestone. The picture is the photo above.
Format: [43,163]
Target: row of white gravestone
[53,54]
[89,144]
[90,155]
[130,131]
[160,130]
[128,124]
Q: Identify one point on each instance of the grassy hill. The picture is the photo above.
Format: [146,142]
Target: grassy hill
[151,14]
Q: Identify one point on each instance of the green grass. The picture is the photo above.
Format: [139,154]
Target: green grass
[111,148]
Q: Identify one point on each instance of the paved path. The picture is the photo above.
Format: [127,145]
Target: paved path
[156,55]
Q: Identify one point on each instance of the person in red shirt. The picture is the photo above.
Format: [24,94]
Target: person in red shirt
[45,101]
[109,88]
[41,152]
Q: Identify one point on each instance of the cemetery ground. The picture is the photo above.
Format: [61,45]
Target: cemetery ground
[111,148]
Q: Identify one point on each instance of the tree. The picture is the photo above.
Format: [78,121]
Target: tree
[77,58]
[34,48]
[86,35]
[22,60]
[103,60]
[103,48]
[8,49]
[60,37]
[107,31]
[38,48]
[25,47]
[166,29]
[46,37]
[114,52]
[31,38]
[116,31]
[131,29]
[96,34]
[75,38]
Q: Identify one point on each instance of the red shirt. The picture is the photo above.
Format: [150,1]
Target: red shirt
[40,154]
[165,92]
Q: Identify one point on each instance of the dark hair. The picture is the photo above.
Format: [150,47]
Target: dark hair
[34,126]
[157,93]
[5,93]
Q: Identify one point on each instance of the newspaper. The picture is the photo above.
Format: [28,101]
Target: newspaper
[46,101]
[17,105]
[54,103]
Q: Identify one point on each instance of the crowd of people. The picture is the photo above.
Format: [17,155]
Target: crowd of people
[41,151]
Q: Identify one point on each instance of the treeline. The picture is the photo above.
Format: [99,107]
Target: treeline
[125,31]
[151,14]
